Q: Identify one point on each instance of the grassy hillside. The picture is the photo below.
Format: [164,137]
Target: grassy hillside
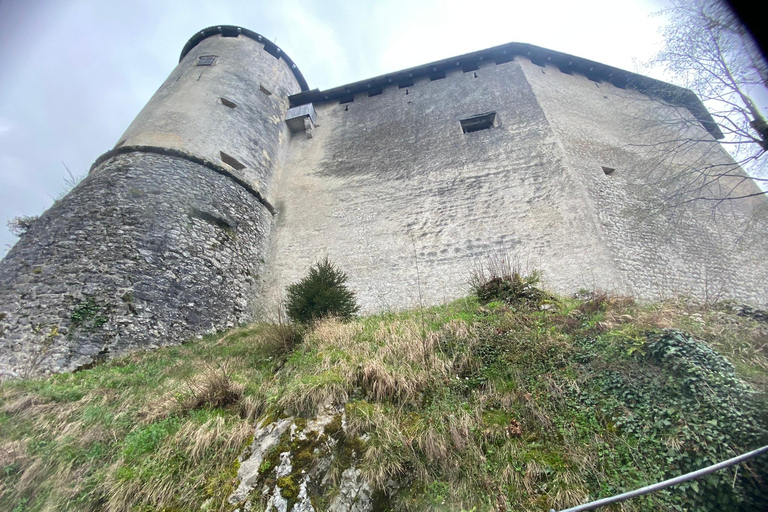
[525,403]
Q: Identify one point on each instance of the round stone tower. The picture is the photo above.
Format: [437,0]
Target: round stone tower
[165,238]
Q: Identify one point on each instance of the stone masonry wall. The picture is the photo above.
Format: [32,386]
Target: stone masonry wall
[148,250]
[662,245]
[393,192]
[187,112]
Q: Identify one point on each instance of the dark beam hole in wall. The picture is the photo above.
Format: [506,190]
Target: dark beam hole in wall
[231,161]
[272,50]
[439,75]
[211,219]
[227,103]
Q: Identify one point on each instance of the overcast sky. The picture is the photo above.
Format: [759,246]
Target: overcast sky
[75,73]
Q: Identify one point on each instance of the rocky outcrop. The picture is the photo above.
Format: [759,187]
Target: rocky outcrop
[293,465]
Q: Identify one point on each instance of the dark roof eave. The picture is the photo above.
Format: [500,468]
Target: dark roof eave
[670,93]
[233,31]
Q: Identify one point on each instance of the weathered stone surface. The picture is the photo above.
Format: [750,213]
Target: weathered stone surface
[154,248]
[355,495]
[147,251]
[392,191]
[264,439]
[187,112]
[308,449]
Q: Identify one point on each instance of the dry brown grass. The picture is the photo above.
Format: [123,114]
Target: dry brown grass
[397,361]
[212,386]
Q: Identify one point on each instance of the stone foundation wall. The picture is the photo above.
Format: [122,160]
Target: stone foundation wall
[148,250]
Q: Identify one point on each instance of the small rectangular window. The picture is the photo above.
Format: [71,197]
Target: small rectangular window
[479,122]
[608,170]
[206,60]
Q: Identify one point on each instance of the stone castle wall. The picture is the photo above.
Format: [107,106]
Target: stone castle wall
[389,185]
[662,245]
[209,206]
[166,237]
[146,251]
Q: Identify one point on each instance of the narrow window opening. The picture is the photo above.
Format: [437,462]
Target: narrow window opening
[475,74]
[608,170]
[206,60]
[346,99]
[404,84]
[406,92]
[227,103]
[231,161]
[439,75]
[479,122]
[469,66]
[346,108]
[265,90]
[375,92]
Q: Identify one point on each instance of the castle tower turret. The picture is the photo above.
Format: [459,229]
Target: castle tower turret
[165,238]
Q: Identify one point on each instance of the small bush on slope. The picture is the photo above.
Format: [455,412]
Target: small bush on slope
[463,406]
[323,292]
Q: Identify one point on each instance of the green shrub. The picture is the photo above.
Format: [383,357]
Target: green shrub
[322,293]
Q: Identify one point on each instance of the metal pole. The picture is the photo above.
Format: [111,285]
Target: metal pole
[667,483]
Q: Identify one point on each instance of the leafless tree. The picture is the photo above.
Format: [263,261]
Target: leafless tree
[707,50]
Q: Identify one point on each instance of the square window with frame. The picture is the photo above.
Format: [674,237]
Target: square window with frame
[479,122]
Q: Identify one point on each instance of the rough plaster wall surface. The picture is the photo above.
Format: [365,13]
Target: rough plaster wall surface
[149,250]
[699,250]
[392,191]
[187,113]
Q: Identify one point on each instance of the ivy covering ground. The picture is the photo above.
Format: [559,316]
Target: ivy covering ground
[526,403]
